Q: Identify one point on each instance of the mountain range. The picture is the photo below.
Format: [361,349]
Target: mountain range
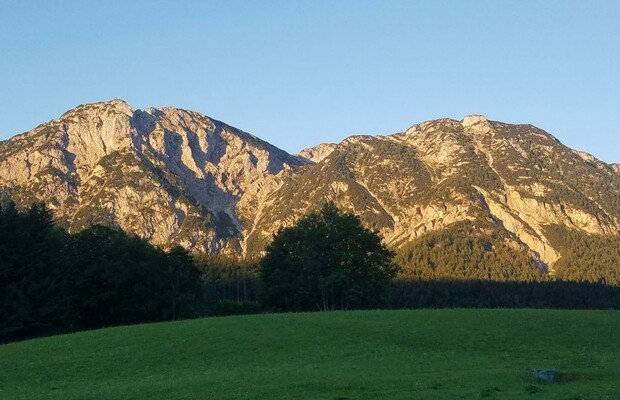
[173,176]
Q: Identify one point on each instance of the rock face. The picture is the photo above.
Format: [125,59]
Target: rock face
[179,177]
[169,175]
[445,171]
[318,153]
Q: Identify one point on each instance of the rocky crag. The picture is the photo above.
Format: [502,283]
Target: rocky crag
[169,175]
[178,177]
[445,171]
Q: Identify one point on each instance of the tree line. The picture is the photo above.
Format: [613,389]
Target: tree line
[54,282]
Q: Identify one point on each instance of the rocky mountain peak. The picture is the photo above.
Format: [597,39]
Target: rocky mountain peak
[176,176]
[476,124]
[101,109]
[444,171]
[167,174]
[474,119]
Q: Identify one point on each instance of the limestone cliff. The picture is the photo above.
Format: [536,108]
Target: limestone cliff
[169,175]
[441,172]
[178,177]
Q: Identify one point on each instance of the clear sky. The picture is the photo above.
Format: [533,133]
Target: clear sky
[297,73]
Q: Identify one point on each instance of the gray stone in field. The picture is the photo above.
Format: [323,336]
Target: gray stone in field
[548,375]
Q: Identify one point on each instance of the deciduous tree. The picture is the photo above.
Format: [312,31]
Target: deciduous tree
[327,261]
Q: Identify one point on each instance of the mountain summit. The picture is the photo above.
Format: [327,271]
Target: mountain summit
[166,174]
[178,177]
[516,181]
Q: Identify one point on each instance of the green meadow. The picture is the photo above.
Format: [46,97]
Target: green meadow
[417,354]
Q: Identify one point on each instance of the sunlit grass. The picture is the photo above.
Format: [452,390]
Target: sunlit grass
[422,354]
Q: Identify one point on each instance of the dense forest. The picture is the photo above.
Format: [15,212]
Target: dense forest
[467,251]
[55,282]
[482,251]
[586,257]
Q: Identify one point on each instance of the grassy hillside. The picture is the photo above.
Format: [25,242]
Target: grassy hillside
[421,354]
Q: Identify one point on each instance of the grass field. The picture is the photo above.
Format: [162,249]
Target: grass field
[421,354]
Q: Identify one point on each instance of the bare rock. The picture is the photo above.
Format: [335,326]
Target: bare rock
[178,177]
[318,153]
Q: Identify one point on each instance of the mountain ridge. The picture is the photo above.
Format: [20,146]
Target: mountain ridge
[69,162]
[176,176]
[441,148]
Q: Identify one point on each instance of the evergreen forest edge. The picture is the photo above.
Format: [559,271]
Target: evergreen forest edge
[54,282]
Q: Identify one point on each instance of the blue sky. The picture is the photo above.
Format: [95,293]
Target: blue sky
[297,73]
